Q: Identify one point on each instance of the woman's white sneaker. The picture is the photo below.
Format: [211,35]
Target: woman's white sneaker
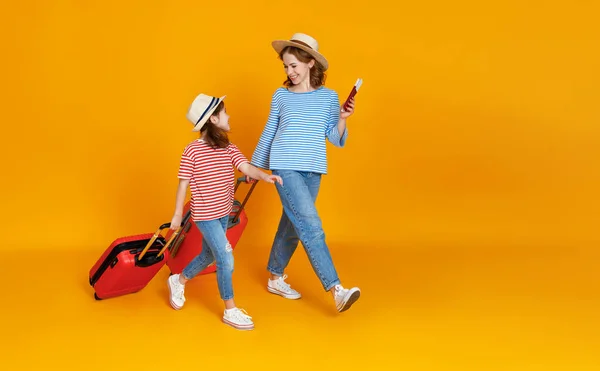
[238,319]
[344,298]
[282,288]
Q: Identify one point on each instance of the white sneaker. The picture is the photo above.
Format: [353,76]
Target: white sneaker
[344,298]
[280,287]
[238,319]
[176,290]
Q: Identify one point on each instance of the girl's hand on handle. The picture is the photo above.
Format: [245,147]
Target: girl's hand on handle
[175,222]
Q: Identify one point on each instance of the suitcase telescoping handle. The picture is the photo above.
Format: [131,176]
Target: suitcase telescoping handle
[157,233]
[185,225]
[240,180]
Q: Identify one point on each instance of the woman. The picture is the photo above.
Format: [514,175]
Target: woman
[303,115]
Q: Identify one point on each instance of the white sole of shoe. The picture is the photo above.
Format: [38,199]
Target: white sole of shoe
[281,293]
[351,298]
[238,327]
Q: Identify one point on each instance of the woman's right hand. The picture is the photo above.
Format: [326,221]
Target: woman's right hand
[345,113]
[175,222]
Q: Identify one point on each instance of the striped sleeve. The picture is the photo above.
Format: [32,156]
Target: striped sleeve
[237,157]
[186,166]
[333,134]
[260,158]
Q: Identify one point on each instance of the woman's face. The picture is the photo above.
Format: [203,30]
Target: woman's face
[296,70]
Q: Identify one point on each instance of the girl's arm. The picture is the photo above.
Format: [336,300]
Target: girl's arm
[255,173]
[179,201]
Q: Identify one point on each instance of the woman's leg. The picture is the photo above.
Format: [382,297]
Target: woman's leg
[286,239]
[283,248]
[284,245]
[298,195]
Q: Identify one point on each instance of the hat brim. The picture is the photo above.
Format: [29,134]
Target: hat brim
[201,123]
[279,45]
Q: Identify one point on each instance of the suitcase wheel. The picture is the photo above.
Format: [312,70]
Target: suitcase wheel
[96,297]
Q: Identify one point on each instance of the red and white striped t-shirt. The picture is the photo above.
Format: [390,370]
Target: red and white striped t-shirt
[211,175]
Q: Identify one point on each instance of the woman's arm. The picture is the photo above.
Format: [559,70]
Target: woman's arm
[260,158]
[337,132]
[344,114]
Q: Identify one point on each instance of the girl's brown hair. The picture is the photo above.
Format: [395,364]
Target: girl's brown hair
[215,137]
[317,72]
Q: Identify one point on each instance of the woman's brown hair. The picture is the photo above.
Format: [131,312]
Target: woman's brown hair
[317,72]
[215,137]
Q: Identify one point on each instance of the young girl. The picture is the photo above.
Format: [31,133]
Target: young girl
[207,167]
[304,114]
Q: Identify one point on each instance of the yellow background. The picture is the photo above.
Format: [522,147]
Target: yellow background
[476,123]
[476,132]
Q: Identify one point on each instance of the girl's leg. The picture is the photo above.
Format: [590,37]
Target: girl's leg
[177,282]
[214,231]
[198,264]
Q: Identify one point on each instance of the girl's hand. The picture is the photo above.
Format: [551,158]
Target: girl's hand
[175,222]
[272,179]
[344,114]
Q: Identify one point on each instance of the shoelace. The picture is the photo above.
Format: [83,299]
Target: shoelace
[282,282]
[179,292]
[340,292]
[239,312]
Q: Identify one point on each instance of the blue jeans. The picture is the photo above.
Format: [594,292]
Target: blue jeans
[301,222]
[215,247]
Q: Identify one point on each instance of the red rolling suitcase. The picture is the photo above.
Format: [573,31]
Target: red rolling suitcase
[129,263]
[189,243]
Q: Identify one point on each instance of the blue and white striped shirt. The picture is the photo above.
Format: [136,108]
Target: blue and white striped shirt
[294,137]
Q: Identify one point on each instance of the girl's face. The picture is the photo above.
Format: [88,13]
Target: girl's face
[297,71]
[221,120]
